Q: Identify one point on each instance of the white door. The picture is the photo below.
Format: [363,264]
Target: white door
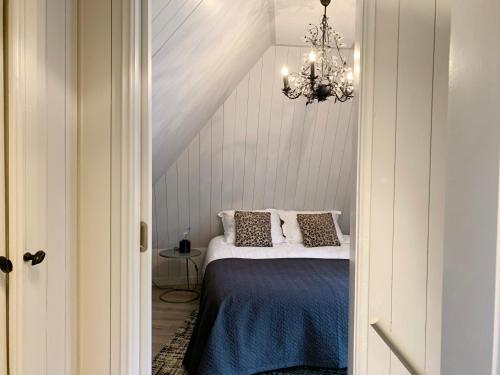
[40,179]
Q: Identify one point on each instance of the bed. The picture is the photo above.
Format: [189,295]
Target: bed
[263,309]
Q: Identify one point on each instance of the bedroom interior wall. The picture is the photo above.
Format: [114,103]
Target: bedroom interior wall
[193,70]
[403,132]
[259,150]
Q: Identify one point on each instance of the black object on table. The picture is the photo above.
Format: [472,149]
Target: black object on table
[188,256]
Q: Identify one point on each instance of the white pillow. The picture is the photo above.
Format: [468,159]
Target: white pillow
[228,223]
[291,228]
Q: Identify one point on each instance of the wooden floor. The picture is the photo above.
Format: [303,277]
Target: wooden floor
[168,317]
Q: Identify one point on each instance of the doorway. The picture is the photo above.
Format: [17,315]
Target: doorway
[238,143]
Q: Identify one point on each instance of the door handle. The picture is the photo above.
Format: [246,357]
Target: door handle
[5,265]
[143,237]
[36,258]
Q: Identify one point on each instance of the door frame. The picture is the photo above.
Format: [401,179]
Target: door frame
[113,187]
[360,235]
[363,64]
[360,223]
[131,170]
[146,192]
[3,238]
[135,270]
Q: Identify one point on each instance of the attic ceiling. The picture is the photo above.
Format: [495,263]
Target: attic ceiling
[202,48]
[293,16]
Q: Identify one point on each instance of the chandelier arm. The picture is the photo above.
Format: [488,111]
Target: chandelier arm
[338,52]
[332,81]
[292,94]
[345,97]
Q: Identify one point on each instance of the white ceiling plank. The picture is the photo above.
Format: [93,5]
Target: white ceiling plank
[293,16]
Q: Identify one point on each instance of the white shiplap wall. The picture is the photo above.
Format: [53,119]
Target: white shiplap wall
[259,150]
[402,169]
[200,51]
[471,285]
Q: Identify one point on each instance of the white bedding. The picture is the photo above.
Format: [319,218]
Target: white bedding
[219,249]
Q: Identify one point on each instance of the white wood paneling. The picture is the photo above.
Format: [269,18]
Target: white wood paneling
[401,159]
[252,129]
[240,133]
[285,140]
[267,90]
[205,186]
[61,189]
[94,164]
[258,150]
[168,18]
[412,178]
[112,103]
[306,141]
[41,128]
[229,150]
[437,189]
[471,289]
[183,190]
[217,158]
[293,16]
[194,190]
[172,204]
[327,156]
[275,128]
[193,70]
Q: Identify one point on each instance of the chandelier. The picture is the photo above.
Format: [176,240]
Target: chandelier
[324,72]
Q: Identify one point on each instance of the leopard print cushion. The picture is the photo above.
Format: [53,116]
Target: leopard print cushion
[253,229]
[318,230]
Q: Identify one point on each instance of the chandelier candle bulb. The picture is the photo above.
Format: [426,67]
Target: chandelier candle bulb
[312,57]
[286,84]
[312,60]
[349,76]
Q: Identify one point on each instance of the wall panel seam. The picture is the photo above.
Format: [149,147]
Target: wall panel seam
[176,29]
[430,183]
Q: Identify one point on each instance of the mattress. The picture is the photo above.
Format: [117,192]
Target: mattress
[219,249]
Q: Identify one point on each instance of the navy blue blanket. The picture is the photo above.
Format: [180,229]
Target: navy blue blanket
[263,314]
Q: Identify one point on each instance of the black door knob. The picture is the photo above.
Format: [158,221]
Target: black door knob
[36,258]
[5,265]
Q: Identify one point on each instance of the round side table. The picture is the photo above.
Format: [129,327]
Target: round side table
[188,257]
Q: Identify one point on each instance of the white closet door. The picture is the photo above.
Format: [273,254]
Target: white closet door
[28,208]
[40,178]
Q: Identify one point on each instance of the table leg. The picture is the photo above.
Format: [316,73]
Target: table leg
[196,294]
[197,272]
[187,273]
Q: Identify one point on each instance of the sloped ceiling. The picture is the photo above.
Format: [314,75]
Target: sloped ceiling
[202,49]
[293,16]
